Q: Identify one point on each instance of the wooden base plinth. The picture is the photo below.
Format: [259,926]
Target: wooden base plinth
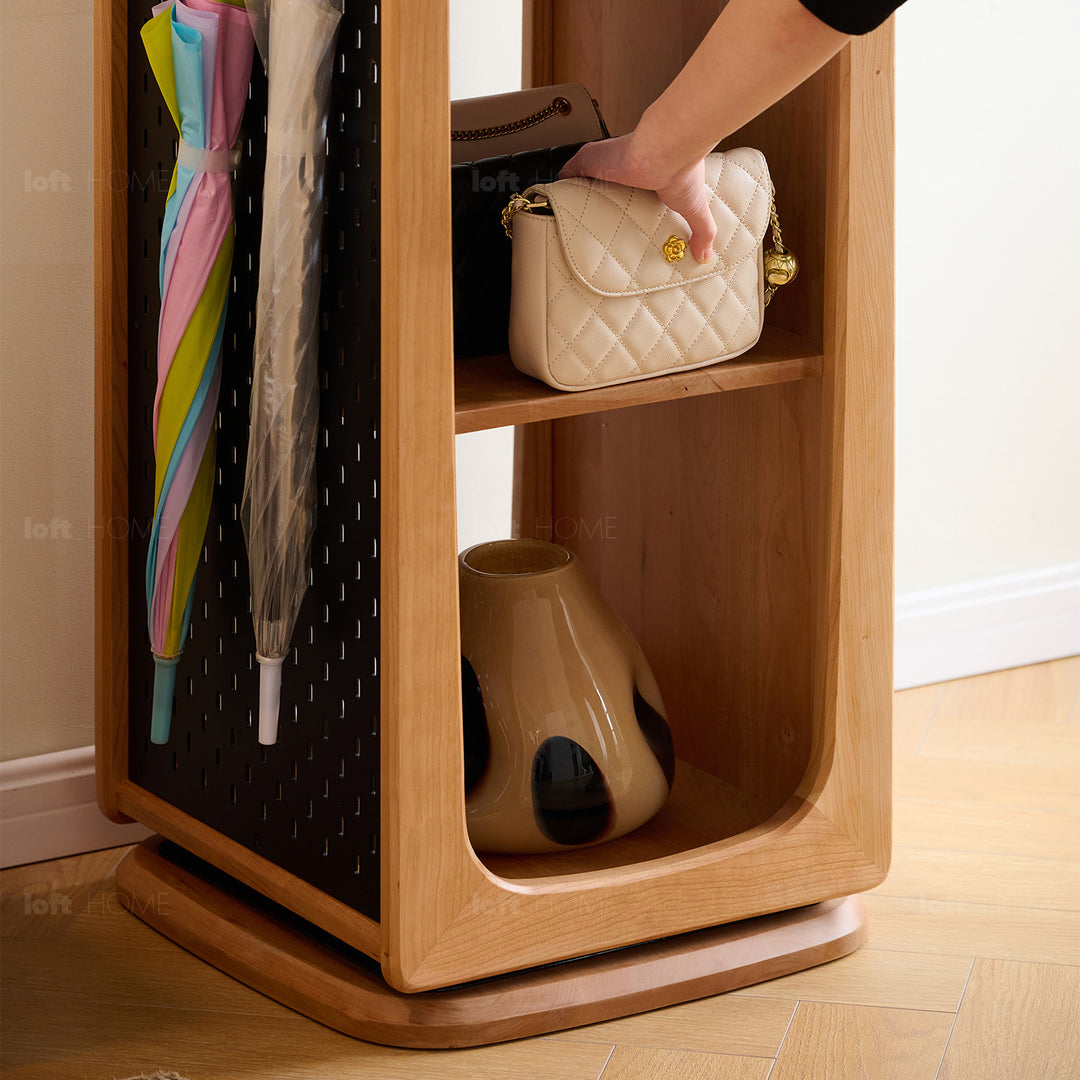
[344,990]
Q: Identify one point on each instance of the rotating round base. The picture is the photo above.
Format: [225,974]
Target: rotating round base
[344,990]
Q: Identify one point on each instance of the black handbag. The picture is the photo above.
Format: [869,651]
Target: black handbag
[511,136]
[479,191]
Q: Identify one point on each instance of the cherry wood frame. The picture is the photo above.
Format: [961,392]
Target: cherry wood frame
[778,598]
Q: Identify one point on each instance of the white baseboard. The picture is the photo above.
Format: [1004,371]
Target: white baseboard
[48,809]
[961,630]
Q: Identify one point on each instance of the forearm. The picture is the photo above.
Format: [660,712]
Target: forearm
[755,53]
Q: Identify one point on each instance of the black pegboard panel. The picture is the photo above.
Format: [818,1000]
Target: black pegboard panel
[310,803]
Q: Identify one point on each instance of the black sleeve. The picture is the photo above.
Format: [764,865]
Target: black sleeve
[852,16]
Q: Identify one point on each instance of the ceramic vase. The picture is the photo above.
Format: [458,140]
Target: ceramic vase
[566,737]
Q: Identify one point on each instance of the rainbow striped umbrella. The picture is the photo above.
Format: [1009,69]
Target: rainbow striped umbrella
[200,52]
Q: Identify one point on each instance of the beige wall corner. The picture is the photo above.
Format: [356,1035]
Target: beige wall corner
[46,379]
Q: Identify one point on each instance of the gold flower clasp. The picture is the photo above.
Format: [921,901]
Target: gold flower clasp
[674,248]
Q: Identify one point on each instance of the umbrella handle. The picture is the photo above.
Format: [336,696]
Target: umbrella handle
[164,686]
[269,698]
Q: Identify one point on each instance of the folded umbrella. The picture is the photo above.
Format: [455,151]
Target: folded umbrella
[296,39]
[200,52]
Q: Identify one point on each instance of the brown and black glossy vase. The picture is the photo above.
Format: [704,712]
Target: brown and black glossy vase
[566,737]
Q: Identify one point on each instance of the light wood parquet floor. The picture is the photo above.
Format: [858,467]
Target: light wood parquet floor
[972,969]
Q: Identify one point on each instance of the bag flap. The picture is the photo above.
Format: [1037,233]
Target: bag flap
[613,236]
[581,122]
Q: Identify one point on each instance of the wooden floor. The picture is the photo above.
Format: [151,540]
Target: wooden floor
[972,968]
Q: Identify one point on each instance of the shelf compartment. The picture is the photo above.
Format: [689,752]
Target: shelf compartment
[490,392]
[702,810]
[699,521]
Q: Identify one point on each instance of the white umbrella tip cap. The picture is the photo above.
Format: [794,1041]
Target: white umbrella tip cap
[269,700]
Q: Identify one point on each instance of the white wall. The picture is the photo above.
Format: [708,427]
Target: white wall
[988,356]
[46,378]
[485,58]
[485,47]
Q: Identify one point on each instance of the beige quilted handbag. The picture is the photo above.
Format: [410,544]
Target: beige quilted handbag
[605,289]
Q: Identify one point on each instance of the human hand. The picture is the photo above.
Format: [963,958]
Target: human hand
[621,161]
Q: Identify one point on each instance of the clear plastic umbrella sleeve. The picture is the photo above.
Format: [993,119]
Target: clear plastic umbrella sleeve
[296,39]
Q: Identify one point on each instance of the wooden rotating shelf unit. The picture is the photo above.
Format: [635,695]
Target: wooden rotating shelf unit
[738,517]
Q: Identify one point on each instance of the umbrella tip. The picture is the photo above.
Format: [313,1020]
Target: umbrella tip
[269,698]
[164,687]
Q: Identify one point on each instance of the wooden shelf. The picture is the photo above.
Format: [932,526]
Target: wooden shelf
[490,392]
[701,810]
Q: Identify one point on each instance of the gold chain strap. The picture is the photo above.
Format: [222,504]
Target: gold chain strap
[516,203]
[781,265]
[558,106]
